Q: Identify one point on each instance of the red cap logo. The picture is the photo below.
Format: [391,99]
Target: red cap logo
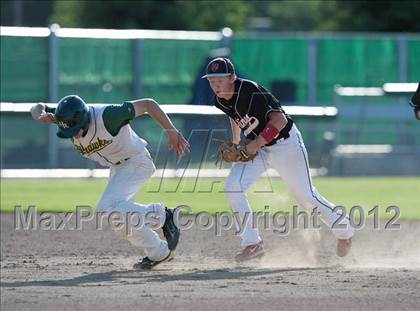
[214,67]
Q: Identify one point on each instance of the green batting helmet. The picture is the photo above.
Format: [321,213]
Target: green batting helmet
[71,115]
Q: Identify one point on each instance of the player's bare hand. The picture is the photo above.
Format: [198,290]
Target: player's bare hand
[178,143]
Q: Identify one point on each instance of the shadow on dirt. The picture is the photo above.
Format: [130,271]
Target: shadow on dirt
[141,277]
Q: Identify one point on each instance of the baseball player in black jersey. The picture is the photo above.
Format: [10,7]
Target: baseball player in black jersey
[272,135]
[415,102]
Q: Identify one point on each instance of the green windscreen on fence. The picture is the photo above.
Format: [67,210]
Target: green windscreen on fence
[355,62]
[24,142]
[24,69]
[413,60]
[103,70]
[170,68]
[267,61]
[99,70]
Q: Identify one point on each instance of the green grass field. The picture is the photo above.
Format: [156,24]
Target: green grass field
[207,194]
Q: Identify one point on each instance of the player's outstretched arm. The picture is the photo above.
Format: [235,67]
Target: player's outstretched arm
[39,113]
[175,139]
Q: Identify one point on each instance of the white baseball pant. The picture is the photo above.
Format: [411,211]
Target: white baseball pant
[289,158]
[125,181]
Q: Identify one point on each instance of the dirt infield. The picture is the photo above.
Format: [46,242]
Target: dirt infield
[90,269]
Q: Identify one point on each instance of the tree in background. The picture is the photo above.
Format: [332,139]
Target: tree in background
[25,12]
[383,16]
[165,14]
[280,15]
[339,15]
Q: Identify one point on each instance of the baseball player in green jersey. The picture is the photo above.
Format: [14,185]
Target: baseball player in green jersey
[102,133]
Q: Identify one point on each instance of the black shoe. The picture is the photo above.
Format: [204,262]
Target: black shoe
[170,230]
[147,264]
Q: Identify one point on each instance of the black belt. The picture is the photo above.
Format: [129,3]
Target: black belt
[119,162]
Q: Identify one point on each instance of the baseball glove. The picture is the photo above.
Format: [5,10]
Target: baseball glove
[230,152]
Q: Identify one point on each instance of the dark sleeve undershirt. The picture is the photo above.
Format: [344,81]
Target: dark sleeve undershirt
[116,116]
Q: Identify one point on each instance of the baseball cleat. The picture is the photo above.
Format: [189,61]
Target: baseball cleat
[250,252]
[170,229]
[147,264]
[343,247]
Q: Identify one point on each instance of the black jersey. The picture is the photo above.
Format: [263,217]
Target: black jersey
[415,100]
[249,108]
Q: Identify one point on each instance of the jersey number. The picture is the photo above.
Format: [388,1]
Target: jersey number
[249,123]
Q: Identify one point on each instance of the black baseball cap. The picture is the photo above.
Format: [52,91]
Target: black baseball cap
[219,67]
